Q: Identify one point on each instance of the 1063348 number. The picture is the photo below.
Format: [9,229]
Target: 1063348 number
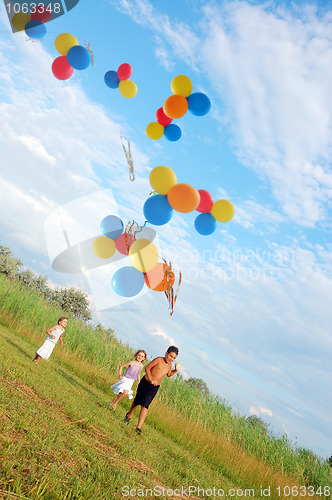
[31,8]
[304,491]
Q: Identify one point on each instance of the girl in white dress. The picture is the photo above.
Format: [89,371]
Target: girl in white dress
[123,386]
[54,334]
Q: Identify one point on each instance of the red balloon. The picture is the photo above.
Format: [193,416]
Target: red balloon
[124,71]
[206,203]
[123,242]
[41,14]
[61,68]
[163,119]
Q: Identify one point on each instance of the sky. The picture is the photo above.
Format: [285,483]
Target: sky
[253,315]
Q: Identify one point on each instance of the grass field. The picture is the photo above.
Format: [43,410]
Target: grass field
[59,439]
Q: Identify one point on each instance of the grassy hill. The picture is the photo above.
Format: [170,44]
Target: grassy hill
[59,439]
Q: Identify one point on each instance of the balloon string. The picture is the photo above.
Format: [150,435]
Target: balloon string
[88,46]
[128,158]
[169,292]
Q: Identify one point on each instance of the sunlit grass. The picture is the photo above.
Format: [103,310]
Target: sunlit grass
[55,418]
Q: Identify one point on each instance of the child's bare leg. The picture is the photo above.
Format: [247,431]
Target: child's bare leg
[142,417]
[36,358]
[118,398]
[131,411]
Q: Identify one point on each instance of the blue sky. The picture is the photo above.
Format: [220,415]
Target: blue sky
[253,316]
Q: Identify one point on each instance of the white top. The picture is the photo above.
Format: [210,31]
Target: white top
[56,332]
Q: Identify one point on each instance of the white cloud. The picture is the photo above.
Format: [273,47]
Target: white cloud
[272,71]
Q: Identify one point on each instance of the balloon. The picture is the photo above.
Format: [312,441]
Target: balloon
[104,247]
[175,106]
[162,179]
[181,85]
[205,224]
[123,242]
[183,198]
[111,79]
[64,42]
[162,118]
[127,281]
[223,210]
[41,14]
[61,68]
[198,104]
[124,71]
[157,210]
[172,132]
[206,203]
[128,88]
[143,255]
[154,131]
[111,226]
[79,57]
[20,20]
[35,29]
[156,278]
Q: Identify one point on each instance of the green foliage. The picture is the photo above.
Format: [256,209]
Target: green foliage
[88,363]
[9,265]
[198,384]
[257,422]
[71,300]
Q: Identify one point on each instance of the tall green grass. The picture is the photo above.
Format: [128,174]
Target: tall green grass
[94,355]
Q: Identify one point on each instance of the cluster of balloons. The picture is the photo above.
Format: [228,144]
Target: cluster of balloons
[120,79]
[128,281]
[176,106]
[34,23]
[73,56]
[184,198]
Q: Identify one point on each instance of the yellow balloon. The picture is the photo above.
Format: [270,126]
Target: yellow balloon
[64,42]
[104,247]
[143,255]
[127,88]
[20,20]
[154,131]
[162,179]
[181,85]
[223,210]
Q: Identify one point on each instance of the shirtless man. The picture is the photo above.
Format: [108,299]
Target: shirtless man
[148,387]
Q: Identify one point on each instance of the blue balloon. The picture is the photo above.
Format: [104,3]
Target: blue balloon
[157,210]
[128,281]
[205,224]
[34,29]
[111,79]
[172,132]
[198,104]
[111,226]
[79,57]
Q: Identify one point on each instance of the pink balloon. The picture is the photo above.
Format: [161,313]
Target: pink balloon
[163,119]
[121,243]
[124,71]
[61,68]
[206,203]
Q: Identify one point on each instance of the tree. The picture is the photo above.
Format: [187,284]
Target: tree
[198,384]
[9,265]
[72,300]
[257,422]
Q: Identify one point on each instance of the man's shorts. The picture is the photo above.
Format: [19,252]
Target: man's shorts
[145,393]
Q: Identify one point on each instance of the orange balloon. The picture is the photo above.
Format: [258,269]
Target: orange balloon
[183,198]
[175,106]
[156,278]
